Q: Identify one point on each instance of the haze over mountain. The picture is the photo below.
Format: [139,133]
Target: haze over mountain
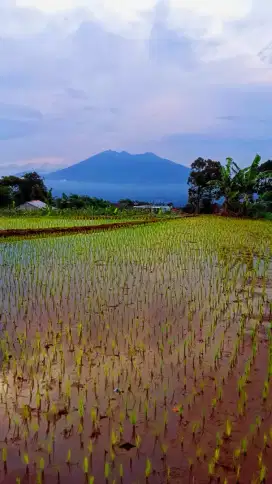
[112,167]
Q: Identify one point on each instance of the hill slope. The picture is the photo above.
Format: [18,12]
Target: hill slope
[113,167]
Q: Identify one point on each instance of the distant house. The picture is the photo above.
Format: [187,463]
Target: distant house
[153,208]
[142,207]
[32,205]
[162,208]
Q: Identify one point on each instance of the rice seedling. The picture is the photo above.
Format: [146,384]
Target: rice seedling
[216,455]
[138,441]
[211,469]
[86,465]
[68,458]
[238,472]
[4,458]
[244,445]
[114,438]
[148,468]
[133,421]
[265,441]
[107,471]
[164,448]
[265,391]
[263,472]
[26,461]
[191,464]
[228,429]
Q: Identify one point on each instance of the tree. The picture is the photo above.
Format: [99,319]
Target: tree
[33,187]
[12,183]
[246,179]
[238,186]
[50,198]
[264,182]
[227,184]
[23,189]
[202,173]
[5,196]
[75,201]
[125,203]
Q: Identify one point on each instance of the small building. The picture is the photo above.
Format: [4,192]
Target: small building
[142,207]
[153,208]
[32,205]
[161,208]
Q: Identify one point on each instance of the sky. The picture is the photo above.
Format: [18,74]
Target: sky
[181,78]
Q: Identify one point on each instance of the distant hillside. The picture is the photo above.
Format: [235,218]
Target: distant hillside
[124,168]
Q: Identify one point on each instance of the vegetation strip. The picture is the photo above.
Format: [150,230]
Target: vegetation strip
[82,228]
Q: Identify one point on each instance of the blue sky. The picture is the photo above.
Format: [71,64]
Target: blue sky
[181,78]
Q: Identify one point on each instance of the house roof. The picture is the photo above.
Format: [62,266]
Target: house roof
[142,206]
[36,203]
[163,207]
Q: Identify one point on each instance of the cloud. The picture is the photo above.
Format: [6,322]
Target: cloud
[229,118]
[43,165]
[77,77]
[76,93]
[167,45]
[19,112]
[185,148]
[18,121]
[10,129]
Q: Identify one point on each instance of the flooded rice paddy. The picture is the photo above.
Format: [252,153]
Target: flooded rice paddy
[142,355]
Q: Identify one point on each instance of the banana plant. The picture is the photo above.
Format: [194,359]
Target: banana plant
[240,184]
[227,183]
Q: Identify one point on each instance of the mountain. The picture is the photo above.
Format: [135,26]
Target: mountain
[112,167]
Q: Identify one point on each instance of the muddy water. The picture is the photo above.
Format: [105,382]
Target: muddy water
[163,314]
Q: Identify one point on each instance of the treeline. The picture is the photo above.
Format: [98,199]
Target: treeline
[212,186]
[240,191]
[15,190]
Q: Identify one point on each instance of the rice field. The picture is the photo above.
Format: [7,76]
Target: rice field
[141,355]
[11,223]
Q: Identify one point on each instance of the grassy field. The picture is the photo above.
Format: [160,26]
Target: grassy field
[138,356]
